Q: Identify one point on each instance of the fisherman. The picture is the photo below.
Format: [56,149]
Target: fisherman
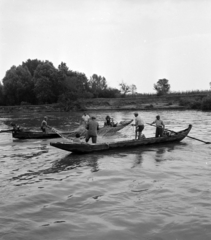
[92,127]
[77,138]
[85,119]
[139,124]
[44,125]
[108,121]
[15,127]
[113,124]
[159,126]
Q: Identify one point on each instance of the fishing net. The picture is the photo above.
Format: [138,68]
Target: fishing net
[61,134]
[104,131]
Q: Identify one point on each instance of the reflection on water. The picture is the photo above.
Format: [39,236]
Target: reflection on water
[160,192]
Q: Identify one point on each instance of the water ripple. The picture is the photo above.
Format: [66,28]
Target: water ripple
[149,193]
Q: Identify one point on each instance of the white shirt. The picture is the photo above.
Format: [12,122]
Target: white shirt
[85,118]
[158,123]
[139,121]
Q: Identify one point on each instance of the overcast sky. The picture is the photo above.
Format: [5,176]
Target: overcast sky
[135,41]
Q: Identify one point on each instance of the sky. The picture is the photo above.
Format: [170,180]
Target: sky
[132,41]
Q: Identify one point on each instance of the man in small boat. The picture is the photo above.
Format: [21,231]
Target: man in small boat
[139,124]
[84,119]
[15,127]
[92,127]
[108,121]
[159,126]
[44,125]
[77,138]
[113,124]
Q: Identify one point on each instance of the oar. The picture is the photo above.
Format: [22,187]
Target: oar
[187,136]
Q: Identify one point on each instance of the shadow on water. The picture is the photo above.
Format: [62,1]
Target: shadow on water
[74,160]
[69,162]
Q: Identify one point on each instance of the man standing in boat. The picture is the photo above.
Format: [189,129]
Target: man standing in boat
[139,124]
[44,125]
[92,127]
[85,119]
[159,126]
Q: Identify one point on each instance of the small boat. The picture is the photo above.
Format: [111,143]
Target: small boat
[106,130]
[87,148]
[6,130]
[35,135]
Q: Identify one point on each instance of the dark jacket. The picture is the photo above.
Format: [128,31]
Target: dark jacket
[92,127]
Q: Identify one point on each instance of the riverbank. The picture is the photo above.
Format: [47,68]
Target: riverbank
[148,102]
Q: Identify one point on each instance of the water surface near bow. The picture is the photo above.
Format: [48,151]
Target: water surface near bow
[151,193]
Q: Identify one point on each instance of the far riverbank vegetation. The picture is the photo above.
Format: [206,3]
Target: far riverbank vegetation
[36,82]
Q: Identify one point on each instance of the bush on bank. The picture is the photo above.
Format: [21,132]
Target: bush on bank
[196,103]
[206,103]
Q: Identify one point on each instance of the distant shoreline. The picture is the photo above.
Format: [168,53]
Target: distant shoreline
[143,103]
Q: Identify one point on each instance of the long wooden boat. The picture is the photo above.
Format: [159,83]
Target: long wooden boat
[82,130]
[87,148]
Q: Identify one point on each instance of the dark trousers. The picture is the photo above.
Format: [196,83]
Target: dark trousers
[43,129]
[94,138]
[159,132]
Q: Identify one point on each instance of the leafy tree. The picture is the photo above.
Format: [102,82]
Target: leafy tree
[162,86]
[206,103]
[76,82]
[97,84]
[46,84]
[124,88]
[109,93]
[63,68]
[133,88]
[18,86]
[75,85]
[31,65]
[1,95]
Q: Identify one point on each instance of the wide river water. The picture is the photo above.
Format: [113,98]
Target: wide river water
[151,193]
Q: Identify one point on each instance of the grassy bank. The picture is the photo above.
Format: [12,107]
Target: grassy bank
[188,100]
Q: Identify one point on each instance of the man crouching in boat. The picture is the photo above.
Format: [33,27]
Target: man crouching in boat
[44,125]
[139,124]
[15,127]
[159,126]
[92,127]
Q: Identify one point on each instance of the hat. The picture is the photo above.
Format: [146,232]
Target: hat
[135,113]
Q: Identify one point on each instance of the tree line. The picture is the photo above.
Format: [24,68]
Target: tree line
[39,82]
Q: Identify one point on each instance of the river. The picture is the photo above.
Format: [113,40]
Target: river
[150,193]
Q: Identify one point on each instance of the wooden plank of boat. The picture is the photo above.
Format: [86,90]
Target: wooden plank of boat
[6,130]
[87,148]
[82,131]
